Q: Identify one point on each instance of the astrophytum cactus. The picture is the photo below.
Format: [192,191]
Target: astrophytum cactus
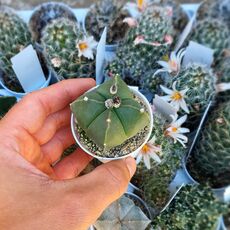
[111,114]
[123,214]
[5,104]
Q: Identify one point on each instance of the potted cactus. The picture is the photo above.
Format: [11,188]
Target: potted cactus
[70,53]
[210,162]
[195,207]
[45,14]
[14,37]
[110,14]
[148,39]
[5,104]
[125,213]
[112,120]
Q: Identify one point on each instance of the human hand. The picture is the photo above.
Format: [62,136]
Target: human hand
[35,195]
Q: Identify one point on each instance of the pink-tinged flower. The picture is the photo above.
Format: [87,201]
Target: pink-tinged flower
[173,66]
[150,150]
[175,97]
[175,130]
[132,22]
[169,11]
[168,39]
[86,46]
[56,62]
[139,40]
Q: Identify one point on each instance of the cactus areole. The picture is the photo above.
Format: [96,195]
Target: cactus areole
[113,118]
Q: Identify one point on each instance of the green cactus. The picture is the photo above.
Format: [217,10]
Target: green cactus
[5,105]
[210,161]
[60,39]
[45,14]
[135,61]
[122,214]
[213,34]
[227,219]
[195,207]
[110,14]
[112,109]
[14,36]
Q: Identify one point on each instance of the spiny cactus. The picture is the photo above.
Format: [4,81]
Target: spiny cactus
[210,161]
[143,46]
[122,214]
[114,110]
[14,36]
[5,105]
[45,14]
[110,14]
[195,207]
[64,43]
[212,33]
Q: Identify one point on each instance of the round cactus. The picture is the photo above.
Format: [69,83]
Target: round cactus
[45,14]
[63,41]
[210,162]
[110,14]
[112,109]
[14,36]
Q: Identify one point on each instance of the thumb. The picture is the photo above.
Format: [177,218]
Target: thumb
[104,185]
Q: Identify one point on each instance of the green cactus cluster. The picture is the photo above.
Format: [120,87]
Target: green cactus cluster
[5,105]
[212,33]
[45,14]
[136,61]
[114,110]
[210,162]
[123,214]
[110,14]
[14,36]
[193,208]
[59,40]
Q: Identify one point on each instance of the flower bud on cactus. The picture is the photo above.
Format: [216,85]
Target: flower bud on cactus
[212,33]
[122,214]
[143,46]
[45,14]
[14,37]
[210,161]
[110,14]
[5,104]
[110,114]
[64,44]
[195,207]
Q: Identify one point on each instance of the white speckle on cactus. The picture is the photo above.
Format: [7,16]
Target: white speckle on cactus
[142,110]
[109,103]
[86,47]
[220,120]
[113,89]
[108,120]
[56,62]
[86,99]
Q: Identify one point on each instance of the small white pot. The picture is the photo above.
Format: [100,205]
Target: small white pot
[106,159]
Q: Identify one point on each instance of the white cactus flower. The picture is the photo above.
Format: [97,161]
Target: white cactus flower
[176,97]
[86,46]
[175,130]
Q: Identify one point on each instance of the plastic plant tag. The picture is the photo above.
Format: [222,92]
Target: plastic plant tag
[185,33]
[172,197]
[28,69]
[199,54]
[100,58]
[164,108]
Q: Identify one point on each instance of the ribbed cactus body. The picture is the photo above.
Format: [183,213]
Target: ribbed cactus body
[122,214]
[212,33]
[110,114]
[195,207]
[5,105]
[14,36]
[135,61]
[110,14]
[45,14]
[201,84]
[210,162]
[59,40]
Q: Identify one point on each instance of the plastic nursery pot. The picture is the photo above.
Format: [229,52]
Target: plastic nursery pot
[145,139]
[44,13]
[20,95]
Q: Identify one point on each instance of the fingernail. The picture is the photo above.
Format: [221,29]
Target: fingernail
[131,165]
